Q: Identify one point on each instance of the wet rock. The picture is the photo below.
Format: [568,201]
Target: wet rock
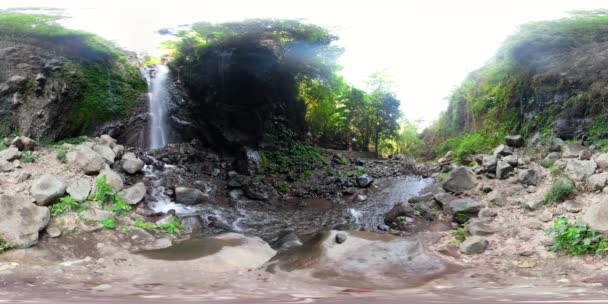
[572,150]
[602,161]
[235,194]
[134,194]
[480,229]
[47,189]
[596,216]
[192,224]
[21,221]
[364,181]
[515,141]
[106,152]
[112,178]
[579,170]
[286,240]
[132,165]
[341,237]
[400,209]
[10,154]
[473,245]
[503,169]
[256,194]
[460,180]
[502,150]
[24,143]
[573,206]
[189,196]
[79,189]
[598,181]
[529,177]
[85,159]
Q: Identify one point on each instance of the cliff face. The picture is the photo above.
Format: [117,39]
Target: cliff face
[549,78]
[57,83]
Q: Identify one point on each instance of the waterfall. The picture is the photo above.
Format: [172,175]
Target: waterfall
[158,100]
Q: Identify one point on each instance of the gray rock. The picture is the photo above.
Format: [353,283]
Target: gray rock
[546,216]
[10,154]
[79,189]
[420,198]
[287,240]
[53,232]
[596,217]
[192,224]
[533,204]
[118,150]
[106,152]
[572,150]
[24,143]
[585,154]
[579,170]
[443,199]
[497,198]
[553,156]
[85,159]
[529,177]
[235,194]
[47,189]
[166,219]
[503,169]
[464,208]
[94,215]
[480,229]
[400,209]
[460,180]
[189,196]
[383,227]
[487,213]
[512,160]
[134,194]
[341,237]
[489,163]
[112,178]
[21,221]
[106,140]
[23,176]
[132,165]
[364,181]
[556,144]
[473,245]
[573,206]
[598,181]
[502,150]
[515,141]
[602,161]
[6,166]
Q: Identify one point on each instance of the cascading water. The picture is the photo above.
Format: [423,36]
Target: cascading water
[158,100]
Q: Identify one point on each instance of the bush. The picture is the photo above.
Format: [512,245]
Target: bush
[109,223]
[62,155]
[65,204]
[282,187]
[576,239]
[4,246]
[560,190]
[28,157]
[459,235]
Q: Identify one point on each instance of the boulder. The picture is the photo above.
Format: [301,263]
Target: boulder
[489,163]
[364,181]
[502,150]
[556,144]
[579,170]
[47,189]
[596,217]
[85,159]
[473,245]
[24,143]
[464,208]
[460,180]
[480,229]
[189,196]
[10,154]
[573,206]
[134,194]
[106,140]
[132,165]
[6,166]
[515,141]
[585,154]
[602,161]
[512,160]
[598,181]
[79,189]
[21,221]
[497,198]
[400,209]
[95,215]
[572,150]
[286,240]
[112,178]
[118,150]
[106,152]
[553,156]
[529,177]
[503,169]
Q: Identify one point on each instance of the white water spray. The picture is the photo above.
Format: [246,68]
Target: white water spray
[158,100]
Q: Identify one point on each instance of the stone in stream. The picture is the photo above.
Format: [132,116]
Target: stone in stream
[460,180]
[189,196]
[341,237]
[21,221]
[400,209]
[473,245]
[47,189]
[134,194]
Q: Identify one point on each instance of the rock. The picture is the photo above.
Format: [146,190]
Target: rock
[572,150]
[192,224]
[341,237]
[256,194]
[132,165]
[421,198]
[596,216]
[473,245]
[21,221]
[512,160]
[112,178]
[400,209]
[23,176]
[489,163]
[285,241]
[598,181]
[497,198]
[443,199]
[460,180]
[573,206]
[235,194]
[6,166]
[503,169]
[85,159]
[107,140]
[487,213]
[129,155]
[189,196]
[364,181]
[134,194]
[480,229]
[360,198]
[585,154]
[24,143]
[382,227]
[579,170]
[94,215]
[515,141]
[602,161]
[250,161]
[166,219]
[10,154]
[463,209]
[106,152]
[502,150]
[79,189]
[529,177]
[53,232]
[553,156]
[118,150]
[546,216]
[216,172]
[47,189]
[533,204]
[556,144]
[531,189]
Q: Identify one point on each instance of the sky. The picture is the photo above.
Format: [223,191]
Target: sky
[426,47]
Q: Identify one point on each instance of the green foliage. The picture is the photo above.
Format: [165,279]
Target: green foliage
[469,144]
[107,195]
[66,204]
[561,189]
[62,155]
[126,229]
[4,246]
[547,163]
[172,227]
[459,235]
[119,206]
[109,223]
[298,158]
[28,157]
[144,225]
[576,239]
[282,187]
